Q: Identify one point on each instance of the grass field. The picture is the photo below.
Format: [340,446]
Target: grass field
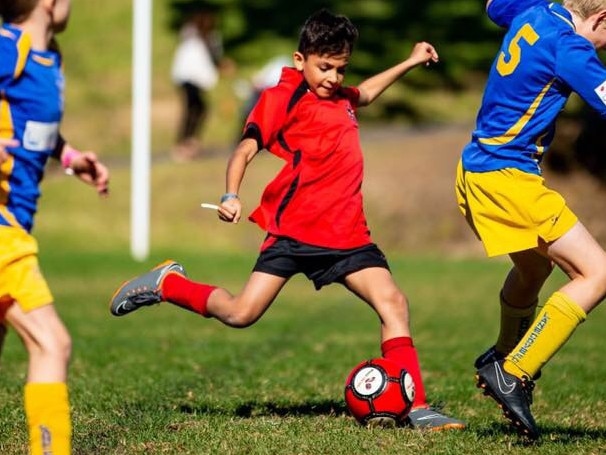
[164,381]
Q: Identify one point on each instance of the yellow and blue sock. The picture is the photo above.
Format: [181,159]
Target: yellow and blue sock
[514,324]
[551,329]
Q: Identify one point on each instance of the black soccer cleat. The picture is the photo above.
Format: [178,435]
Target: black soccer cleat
[513,395]
[492,355]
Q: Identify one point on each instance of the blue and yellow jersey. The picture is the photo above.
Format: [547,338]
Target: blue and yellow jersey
[542,60]
[31,107]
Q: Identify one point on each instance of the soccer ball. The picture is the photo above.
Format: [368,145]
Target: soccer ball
[378,392]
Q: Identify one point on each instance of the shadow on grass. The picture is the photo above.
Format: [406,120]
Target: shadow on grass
[257,409]
[550,434]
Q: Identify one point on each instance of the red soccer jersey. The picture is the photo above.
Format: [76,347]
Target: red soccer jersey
[316,198]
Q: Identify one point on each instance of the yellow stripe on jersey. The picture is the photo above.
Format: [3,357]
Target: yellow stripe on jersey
[23,46]
[7,33]
[6,168]
[6,120]
[512,133]
[8,216]
[43,60]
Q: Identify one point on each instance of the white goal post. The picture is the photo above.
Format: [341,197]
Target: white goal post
[141,126]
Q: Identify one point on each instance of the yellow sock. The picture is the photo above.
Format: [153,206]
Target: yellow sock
[551,329]
[514,324]
[48,418]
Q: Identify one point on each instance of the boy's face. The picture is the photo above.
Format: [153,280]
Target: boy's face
[60,13]
[323,73]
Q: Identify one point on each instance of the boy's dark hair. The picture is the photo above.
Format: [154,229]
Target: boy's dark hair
[325,33]
[16,10]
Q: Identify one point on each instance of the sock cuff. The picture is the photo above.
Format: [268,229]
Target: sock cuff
[45,394]
[568,307]
[512,311]
[394,343]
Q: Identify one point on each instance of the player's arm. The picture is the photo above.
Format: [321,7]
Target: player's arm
[371,88]
[4,144]
[230,209]
[84,164]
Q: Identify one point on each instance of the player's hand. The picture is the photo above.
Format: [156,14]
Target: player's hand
[424,53]
[4,144]
[230,211]
[90,170]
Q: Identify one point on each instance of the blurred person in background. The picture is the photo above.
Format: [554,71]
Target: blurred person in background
[195,72]
[250,90]
[31,109]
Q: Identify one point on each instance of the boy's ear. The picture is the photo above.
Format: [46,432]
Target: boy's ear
[298,60]
[600,20]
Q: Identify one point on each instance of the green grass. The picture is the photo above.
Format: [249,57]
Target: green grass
[165,381]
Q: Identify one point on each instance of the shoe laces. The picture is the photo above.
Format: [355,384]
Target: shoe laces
[145,298]
[527,387]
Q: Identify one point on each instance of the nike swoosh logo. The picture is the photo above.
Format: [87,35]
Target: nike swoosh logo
[119,309]
[429,417]
[504,387]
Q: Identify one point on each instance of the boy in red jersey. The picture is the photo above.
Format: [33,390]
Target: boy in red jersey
[312,210]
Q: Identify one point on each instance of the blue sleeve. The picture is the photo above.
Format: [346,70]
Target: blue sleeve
[8,61]
[578,66]
[502,12]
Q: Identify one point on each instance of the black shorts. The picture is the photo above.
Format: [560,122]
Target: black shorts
[287,257]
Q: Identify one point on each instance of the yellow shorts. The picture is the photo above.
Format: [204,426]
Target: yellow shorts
[510,210]
[20,278]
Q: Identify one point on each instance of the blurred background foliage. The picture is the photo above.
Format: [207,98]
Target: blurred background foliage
[98,65]
[467,40]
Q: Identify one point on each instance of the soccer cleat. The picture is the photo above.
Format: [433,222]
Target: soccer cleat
[143,290]
[432,420]
[513,395]
[491,356]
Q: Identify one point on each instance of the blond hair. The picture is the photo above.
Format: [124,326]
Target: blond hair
[584,8]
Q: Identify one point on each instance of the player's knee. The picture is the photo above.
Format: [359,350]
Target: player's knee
[60,346]
[241,318]
[535,275]
[393,302]
[599,276]
[397,299]
[56,345]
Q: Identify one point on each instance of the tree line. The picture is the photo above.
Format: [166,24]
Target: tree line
[466,39]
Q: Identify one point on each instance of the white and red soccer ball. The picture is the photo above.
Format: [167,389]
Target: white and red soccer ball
[379,392]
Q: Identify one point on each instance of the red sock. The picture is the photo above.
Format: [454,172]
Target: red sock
[402,351]
[186,293]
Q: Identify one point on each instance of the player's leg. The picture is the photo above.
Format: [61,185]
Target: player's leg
[584,261]
[579,255]
[375,286]
[245,308]
[2,335]
[168,282]
[46,395]
[5,304]
[518,302]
